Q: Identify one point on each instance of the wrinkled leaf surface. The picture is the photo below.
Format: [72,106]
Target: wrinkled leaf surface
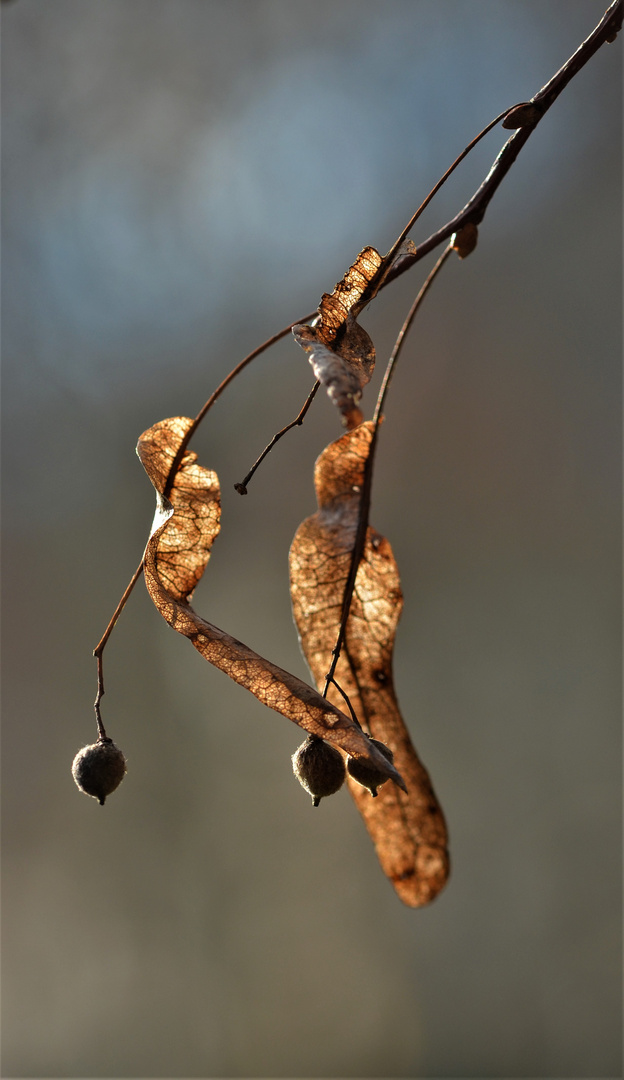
[408,829]
[340,351]
[184,528]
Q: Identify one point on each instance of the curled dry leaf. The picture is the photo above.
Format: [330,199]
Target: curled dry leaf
[340,351]
[350,295]
[342,377]
[408,829]
[184,528]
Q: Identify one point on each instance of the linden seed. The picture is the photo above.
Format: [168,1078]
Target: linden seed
[366,774]
[319,768]
[99,769]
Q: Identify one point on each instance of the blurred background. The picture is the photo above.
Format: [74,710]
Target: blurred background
[181,180]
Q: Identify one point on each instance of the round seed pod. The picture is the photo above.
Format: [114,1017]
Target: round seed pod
[366,774]
[99,768]
[319,768]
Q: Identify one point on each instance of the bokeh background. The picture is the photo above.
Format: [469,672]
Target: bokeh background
[181,180]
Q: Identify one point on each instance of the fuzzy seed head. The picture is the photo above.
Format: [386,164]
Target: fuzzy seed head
[319,768]
[99,769]
[366,774]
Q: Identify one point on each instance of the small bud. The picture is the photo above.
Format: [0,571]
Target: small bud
[465,239]
[366,774]
[99,769]
[319,768]
[525,115]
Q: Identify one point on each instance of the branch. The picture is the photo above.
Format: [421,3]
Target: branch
[528,115]
[365,498]
[474,210]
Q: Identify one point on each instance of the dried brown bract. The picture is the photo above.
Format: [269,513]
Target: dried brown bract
[340,351]
[407,828]
[185,526]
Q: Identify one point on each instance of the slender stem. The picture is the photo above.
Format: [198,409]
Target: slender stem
[398,345]
[364,507]
[99,649]
[356,556]
[333,682]
[217,394]
[298,421]
[178,459]
[100,694]
[473,211]
[475,208]
[390,257]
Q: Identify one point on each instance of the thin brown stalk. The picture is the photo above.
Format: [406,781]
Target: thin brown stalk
[297,422]
[473,212]
[475,208]
[364,508]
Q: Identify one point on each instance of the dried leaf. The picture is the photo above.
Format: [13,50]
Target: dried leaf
[195,498]
[347,297]
[465,240]
[339,349]
[343,377]
[408,830]
[184,528]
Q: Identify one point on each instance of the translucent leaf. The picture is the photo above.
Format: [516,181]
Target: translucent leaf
[408,829]
[184,528]
[343,378]
[339,349]
[347,297]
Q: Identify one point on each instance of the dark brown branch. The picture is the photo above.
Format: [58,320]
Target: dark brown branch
[475,208]
[389,260]
[473,212]
[297,422]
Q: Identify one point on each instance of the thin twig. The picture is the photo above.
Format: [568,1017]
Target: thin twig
[379,280]
[398,345]
[334,682]
[364,507]
[99,649]
[175,465]
[118,610]
[100,694]
[390,258]
[297,422]
[473,211]
[475,208]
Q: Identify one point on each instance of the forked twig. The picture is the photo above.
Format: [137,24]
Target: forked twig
[335,683]
[175,465]
[297,422]
[473,212]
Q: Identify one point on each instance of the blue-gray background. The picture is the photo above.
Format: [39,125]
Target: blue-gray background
[182,179]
